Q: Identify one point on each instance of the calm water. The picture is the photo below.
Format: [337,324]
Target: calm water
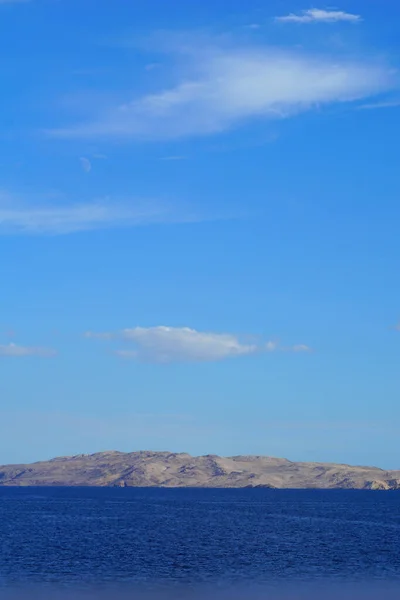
[81,537]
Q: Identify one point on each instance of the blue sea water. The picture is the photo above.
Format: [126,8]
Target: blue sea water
[195,539]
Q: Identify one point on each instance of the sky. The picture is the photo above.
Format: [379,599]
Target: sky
[199,228]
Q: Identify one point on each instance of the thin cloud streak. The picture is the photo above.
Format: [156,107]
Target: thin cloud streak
[16,351]
[18,217]
[223,88]
[383,104]
[316,15]
[163,344]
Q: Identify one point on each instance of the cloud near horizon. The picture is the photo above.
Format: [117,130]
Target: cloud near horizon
[163,344]
[221,87]
[316,15]
[16,351]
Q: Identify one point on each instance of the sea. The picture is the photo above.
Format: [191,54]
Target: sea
[162,544]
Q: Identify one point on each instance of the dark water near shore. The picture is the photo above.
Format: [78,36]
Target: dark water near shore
[196,539]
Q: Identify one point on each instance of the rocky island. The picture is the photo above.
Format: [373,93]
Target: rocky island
[166,469]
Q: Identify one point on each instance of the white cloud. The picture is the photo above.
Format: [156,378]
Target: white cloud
[85,164]
[221,88]
[168,344]
[22,217]
[163,344]
[13,350]
[316,15]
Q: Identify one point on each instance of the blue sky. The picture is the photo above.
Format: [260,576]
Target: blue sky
[199,246]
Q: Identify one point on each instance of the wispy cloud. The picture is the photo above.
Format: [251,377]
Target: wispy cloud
[222,87]
[384,104]
[163,344]
[300,348]
[23,217]
[15,351]
[316,15]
